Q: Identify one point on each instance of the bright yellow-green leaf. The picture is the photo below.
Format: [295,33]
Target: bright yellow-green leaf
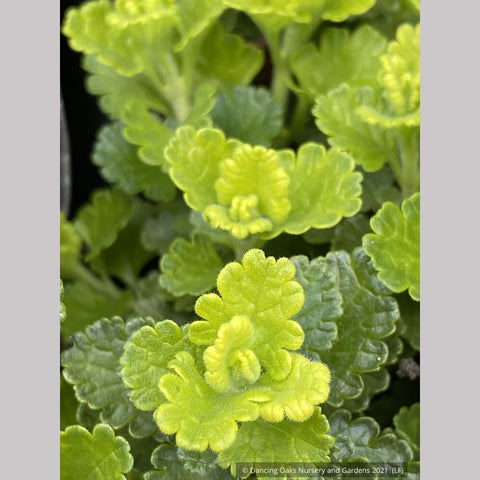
[339,10]
[198,415]
[99,455]
[70,246]
[145,359]
[261,289]
[295,397]
[340,57]
[323,188]
[395,245]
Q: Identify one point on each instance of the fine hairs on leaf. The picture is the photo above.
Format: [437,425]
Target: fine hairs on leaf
[242,293]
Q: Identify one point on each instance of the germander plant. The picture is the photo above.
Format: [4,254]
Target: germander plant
[246,287]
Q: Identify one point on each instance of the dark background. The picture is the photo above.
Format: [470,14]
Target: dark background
[83,119]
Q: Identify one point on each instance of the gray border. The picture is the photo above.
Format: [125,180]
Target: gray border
[449,238]
[29,43]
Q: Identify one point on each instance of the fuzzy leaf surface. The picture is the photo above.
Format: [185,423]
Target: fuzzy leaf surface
[227,59]
[173,463]
[249,114]
[120,164]
[295,397]
[339,10]
[190,266]
[370,145]
[145,359]
[395,245]
[361,440]
[198,415]
[99,455]
[323,301]
[407,426]
[92,365]
[100,221]
[323,188]
[262,290]
[282,442]
[340,57]
[369,315]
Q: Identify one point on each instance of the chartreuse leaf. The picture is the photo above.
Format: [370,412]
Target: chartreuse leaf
[85,306]
[198,415]
[99,455]
[173,463]
[194,158]
[146,130]
[248,190]
[100,221]
[116,90]
[400,79]
[92,365]
[323,188]
[370,145]
[120,164]
[252,191]
[227,60]
[89,31]
[368,316]
[395,245]
[339,10]
[407,426]
[190,266]
[145,359]
[281,443]
[295,397]
[340,57]
[70,246]
[262,290]
[249,114]
[361,440]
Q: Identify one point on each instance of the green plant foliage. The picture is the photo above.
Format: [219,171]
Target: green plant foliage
[190,267]
[99,222]
[361,440]
[120,164]
[367,316]
[184,464]
[92,365]
[263,290]
[196,413]
[407,426]
[145,360]
[249,114]
[85,306]
[99,455]
[340,57]
[249,190]
[281,443]
[70,247]
[247,281]
[395,245]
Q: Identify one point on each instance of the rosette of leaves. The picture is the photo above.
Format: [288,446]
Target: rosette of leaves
[254,190]
[235,365]
[379,123]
